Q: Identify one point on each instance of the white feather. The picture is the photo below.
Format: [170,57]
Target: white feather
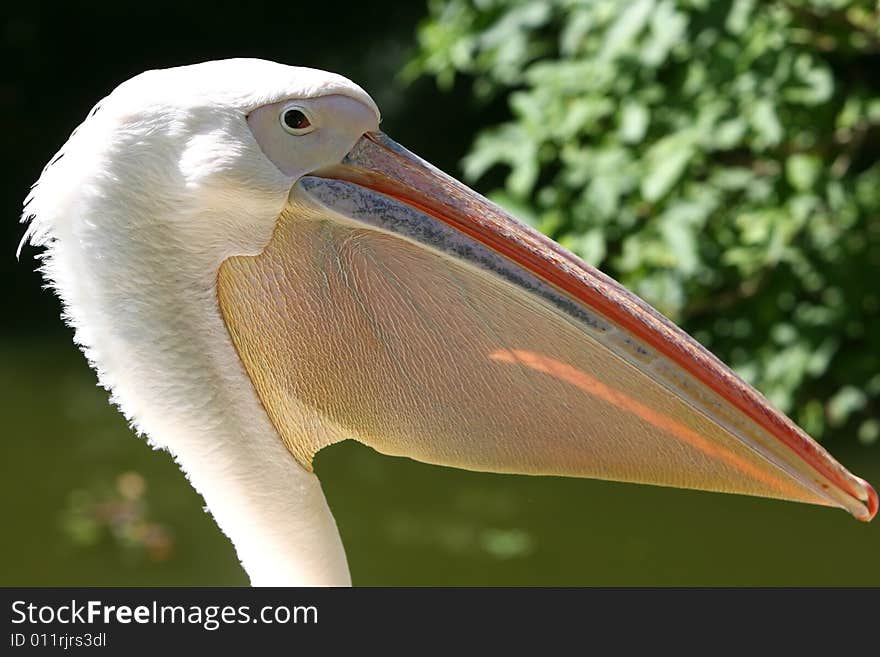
[160,184]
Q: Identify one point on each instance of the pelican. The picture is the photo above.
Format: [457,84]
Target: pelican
[256,272]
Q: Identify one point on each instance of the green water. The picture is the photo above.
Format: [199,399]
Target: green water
[402,522]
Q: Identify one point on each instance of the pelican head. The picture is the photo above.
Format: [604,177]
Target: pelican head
[255,272]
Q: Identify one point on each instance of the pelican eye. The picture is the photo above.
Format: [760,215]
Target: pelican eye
[296,121]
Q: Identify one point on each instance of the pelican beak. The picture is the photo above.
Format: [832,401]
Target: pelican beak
[428,322]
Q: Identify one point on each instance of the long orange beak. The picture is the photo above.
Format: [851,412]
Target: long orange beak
[474,341]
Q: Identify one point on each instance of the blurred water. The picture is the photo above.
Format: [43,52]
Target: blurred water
[88,503]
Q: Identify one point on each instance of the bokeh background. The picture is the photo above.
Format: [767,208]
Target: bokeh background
[718,157]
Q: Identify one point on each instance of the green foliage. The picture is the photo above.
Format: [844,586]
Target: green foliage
[718,158]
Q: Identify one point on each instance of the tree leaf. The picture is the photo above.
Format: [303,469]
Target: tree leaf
[665,162]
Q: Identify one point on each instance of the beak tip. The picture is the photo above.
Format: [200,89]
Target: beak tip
[868,498]
[871,503]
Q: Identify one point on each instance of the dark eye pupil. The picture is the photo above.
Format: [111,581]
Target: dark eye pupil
[296,120]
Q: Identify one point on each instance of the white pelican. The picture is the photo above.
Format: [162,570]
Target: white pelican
[256,272]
